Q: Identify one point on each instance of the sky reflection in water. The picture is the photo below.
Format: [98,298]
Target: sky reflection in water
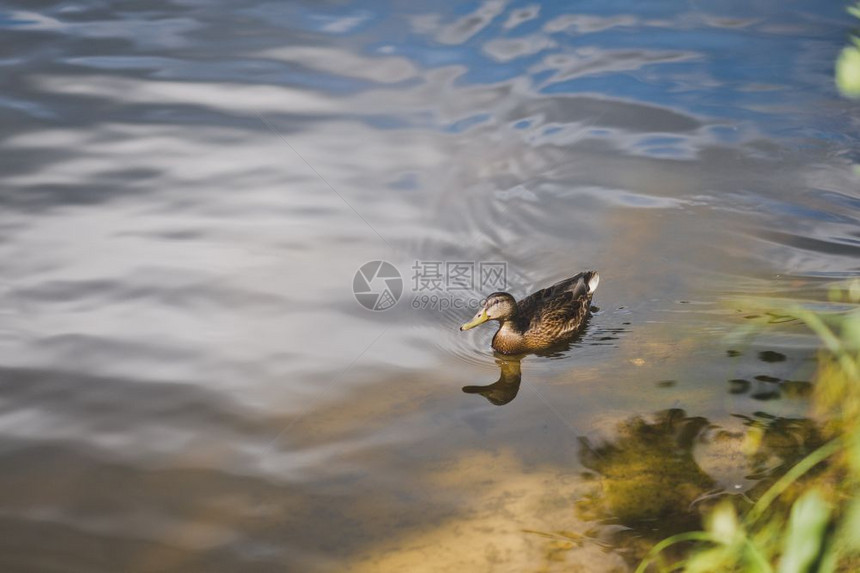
[187,382]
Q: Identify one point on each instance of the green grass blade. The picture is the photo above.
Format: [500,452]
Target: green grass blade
[791,476]
[805,536]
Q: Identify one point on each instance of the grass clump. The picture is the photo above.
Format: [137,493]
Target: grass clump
[809,519]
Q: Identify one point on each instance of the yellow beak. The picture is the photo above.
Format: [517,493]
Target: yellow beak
[480,318]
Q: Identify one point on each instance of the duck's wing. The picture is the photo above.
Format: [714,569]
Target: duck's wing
[559,317]
[557,311]
[563,292]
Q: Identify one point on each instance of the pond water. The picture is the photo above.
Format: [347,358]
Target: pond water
[188,382]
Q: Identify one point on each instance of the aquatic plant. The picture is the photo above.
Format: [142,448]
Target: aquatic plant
[848,65]
[809,519]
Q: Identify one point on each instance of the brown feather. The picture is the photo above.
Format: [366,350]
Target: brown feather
[547,317]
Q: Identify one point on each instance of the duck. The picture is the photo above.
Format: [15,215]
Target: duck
[542,319]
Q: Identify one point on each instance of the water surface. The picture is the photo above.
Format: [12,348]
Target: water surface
[188,382]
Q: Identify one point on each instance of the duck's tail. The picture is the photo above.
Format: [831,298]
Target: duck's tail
[583,284]
[592,279]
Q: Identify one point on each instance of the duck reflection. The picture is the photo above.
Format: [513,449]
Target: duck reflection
[506,387]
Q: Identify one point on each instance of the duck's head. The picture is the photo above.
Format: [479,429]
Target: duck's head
[498,306]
